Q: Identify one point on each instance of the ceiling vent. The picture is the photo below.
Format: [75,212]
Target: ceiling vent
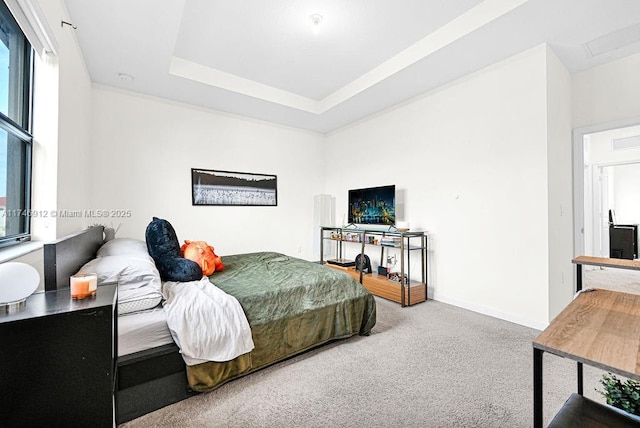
[614,41]
[626,143]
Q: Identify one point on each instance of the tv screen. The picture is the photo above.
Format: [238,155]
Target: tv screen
[373,205]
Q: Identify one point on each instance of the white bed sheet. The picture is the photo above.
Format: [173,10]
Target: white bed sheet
[142,330]
[206,323]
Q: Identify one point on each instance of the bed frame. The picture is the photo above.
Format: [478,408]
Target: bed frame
[64,257]
[145,381]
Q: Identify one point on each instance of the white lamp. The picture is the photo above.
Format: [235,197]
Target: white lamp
[17,282]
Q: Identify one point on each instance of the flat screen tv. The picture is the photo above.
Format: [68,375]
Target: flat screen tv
[373,205]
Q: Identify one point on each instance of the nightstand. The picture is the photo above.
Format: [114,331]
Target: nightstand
[57,359]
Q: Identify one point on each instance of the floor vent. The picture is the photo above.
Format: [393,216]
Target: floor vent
[626,143]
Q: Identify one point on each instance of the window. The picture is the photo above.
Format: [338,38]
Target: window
[15,126]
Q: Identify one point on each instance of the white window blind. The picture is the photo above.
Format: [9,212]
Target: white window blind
[33,23]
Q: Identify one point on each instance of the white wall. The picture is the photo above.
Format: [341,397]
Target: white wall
[626,187]
[607,93]
[471,161]
[559,161]
[74,181]
[144,149]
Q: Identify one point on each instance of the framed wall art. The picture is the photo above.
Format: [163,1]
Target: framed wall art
[212,187]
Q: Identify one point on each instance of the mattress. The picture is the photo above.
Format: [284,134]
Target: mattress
[142,330]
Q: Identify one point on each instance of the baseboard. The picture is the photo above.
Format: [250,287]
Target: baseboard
[516,319]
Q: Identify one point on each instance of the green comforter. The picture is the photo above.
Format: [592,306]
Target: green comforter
[292,305]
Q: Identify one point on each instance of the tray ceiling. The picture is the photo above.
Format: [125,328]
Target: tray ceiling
[262,59]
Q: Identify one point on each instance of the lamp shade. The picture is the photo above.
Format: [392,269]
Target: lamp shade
[17,282]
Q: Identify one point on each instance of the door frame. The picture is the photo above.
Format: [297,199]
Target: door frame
[600,222]
[578,175]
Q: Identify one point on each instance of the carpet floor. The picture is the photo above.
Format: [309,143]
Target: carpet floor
[429,365]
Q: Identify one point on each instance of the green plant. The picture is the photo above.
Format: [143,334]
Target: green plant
[623,395]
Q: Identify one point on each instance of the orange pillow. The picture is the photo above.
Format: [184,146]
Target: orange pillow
[203,254]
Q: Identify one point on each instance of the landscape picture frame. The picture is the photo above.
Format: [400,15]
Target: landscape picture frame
[231,188]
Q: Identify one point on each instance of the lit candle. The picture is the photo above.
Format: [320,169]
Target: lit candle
[83,285]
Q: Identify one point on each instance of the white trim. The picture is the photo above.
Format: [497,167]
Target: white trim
[480,15]
[33,23]
[19,250]
[616,163]
[186,69]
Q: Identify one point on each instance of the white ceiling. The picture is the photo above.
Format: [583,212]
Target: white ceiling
[261,58]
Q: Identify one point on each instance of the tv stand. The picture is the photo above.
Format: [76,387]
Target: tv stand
[400,243]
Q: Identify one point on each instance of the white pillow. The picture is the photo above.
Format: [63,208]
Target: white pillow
[122,247]
[137,278]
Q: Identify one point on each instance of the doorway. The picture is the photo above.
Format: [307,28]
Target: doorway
[616,188]
[606,177]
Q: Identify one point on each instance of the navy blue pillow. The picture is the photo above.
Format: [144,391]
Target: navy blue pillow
[164,248]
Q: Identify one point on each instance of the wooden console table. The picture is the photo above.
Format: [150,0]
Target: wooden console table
[602,262]
[600,328]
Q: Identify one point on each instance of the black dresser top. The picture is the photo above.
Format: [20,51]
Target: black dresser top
[45,303]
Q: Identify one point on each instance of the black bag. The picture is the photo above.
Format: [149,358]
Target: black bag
[363,263]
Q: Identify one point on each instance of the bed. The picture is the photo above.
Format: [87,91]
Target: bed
[292,305]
